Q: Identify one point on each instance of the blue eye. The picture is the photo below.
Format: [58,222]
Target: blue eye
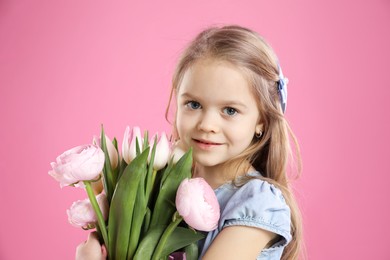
[193,104]
[230,111]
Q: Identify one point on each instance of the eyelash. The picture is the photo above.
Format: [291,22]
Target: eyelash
[235,112]
[190,104]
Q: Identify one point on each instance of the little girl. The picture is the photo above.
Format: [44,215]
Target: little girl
[231,96]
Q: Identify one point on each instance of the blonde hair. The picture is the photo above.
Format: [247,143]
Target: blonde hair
[271,154]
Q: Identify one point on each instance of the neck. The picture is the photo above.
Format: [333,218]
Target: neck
[218,175]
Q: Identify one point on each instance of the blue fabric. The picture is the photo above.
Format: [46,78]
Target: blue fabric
[256,204]
[282,89]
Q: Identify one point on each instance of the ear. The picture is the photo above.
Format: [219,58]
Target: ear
[259,128]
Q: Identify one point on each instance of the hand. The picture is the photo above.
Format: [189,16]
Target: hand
[91,249]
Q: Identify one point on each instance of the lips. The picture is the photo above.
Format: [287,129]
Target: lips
[205,142]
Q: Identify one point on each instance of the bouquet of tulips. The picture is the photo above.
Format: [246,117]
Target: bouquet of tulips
[148,191]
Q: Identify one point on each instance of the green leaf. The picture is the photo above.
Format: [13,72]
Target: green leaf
[116,171]
[146,224]
[182,237]
[158,252]
[165,203]
[150,174]
[155,190]
[137,147]
[115,174]
[146,140]
[179,238]
[122,206]
[140,207]
[166,172]
[149,243]
[192,251]
[122,167]
[115,143]
[107,171]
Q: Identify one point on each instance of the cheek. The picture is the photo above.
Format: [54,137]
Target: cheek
[241,135]
[181,124]
[183,132]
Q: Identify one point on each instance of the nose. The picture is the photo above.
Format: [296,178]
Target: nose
[208,122]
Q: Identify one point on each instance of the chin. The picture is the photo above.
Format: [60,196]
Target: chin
[206,162]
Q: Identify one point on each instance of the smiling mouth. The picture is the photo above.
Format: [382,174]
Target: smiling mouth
[205,142]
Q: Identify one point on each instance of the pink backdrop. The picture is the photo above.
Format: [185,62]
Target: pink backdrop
[68,66]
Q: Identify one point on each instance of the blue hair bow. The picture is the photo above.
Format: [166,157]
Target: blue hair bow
[282,89]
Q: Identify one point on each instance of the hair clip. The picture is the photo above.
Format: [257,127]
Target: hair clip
[282,89]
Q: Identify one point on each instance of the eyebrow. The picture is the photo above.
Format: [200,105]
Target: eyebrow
[185,94]
[225,102]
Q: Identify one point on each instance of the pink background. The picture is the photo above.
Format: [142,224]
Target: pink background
[68,66]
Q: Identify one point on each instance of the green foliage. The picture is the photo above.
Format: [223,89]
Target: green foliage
[173,176]
[142,203]
[122,206]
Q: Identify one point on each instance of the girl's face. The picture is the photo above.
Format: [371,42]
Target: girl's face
[217,114]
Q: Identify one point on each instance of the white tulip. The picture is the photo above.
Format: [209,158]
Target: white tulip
[162,153]
[112,152]
[177,152]
[129,143]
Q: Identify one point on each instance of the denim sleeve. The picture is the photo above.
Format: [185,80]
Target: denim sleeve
[261,205]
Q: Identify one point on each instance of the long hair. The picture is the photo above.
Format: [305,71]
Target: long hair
[272,153]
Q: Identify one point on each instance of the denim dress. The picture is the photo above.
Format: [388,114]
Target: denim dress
[257,204]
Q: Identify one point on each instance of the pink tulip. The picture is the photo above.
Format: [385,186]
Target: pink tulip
[197,204]
[81,163]
[129,143]
[162,151]
[112,152]
[81,213]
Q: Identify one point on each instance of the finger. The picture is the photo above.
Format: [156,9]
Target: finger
[93,239]
[93,235]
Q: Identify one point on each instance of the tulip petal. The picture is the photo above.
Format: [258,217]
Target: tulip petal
[126,145]
[81,213]
[80,163]
[162,152]
[129,149]
[197,204]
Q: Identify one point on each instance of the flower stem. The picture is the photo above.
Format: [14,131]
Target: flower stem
[153,178]
[164,238]
[149,186]
[98,212]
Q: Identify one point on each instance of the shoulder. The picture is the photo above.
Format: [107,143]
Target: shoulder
[258,204]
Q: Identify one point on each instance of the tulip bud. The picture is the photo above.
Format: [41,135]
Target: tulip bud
[197,203]
[177,152]
[82,163]
[112,152]
[129,143]
[81,213]
[163,150]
